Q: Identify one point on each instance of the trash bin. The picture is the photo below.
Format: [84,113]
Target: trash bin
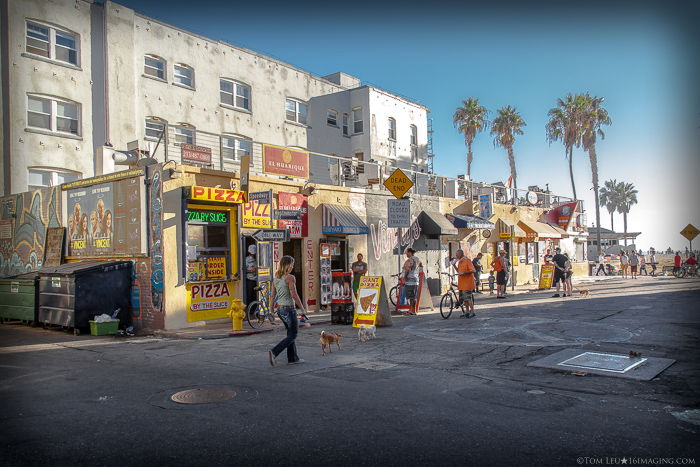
[72,294]
[19,297]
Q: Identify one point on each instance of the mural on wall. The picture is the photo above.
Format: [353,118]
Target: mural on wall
[156,247]
[24,219]
[384,238]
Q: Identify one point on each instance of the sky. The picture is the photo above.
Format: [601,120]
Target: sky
[641,56]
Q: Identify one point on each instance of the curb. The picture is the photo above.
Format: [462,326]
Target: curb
[248,333]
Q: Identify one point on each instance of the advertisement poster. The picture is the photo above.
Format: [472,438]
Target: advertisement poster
[485,206]
[257,212]
[283,161]
[294,202]
[546,276]
[341,287]
[367,301]
[208,300]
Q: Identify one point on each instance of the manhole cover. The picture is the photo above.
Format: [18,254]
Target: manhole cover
[203,395]
[604,362]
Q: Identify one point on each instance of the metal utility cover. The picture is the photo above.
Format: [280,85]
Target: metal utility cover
[604,364]
[203,395]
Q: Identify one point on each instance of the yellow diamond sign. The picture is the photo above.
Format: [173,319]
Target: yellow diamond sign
[398,183]
[690,232]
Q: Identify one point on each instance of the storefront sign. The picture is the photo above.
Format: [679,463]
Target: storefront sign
[546,276]
[216,267]
[294,203]
[256,215]
[399,211]
[213,217]
[367,301]
[104,178]
[208,300]
[279,160]
[398,183]
[221,195]
[196,154]
[485,206]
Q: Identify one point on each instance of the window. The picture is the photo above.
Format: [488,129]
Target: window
[154,128]
[233,147]
[357,120]
[392,129]
[43,177]
[414,143]
[332,118]
[207,239]
[53,115]
[154,66]
[346,117]
[296,111]
[184,75]
[53,43]
[234,94]
[184,134]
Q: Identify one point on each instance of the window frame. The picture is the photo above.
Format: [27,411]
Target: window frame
[157,121]
[346,124]
[298,103]
[332,115]
[355,121]
[176,76]
[54,172]
[235,95]
[184,127]
[414,142]
[158,59]
[53,115]
[51,42]
[392,128]
[236,150]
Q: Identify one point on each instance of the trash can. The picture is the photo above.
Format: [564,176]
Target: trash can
[19,297]
[72,294]
[342,313]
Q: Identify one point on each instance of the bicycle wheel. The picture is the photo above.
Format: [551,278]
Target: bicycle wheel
[679,273]
[394,295]
[253,315]
[446,304]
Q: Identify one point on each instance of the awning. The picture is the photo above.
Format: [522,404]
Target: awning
[469,221]
[559,230]
[339,219]
[503,231]
[435,224]
[535,230]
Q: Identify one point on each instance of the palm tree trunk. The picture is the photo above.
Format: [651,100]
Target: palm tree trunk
[511,160]
[612,221]
[593,157]
[624,220]
[570,150]
[470,158]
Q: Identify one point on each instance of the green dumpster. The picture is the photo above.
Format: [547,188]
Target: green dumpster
[19,297]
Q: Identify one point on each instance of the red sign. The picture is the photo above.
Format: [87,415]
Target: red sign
[561,215]
[196,154]
[296,202]
[284,161]
[205,193]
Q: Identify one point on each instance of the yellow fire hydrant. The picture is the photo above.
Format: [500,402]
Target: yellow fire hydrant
[236,314]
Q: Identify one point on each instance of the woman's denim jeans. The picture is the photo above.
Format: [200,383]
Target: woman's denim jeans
[289,318]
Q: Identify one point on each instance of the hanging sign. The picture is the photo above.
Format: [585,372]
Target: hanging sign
[293,214]
[367,301]
[208,300]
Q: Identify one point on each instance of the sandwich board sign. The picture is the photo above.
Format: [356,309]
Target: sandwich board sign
[398,183]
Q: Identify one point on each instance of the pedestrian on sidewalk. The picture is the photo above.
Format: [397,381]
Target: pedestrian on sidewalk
[652,261]
[559,261]
[642,264]
[677,262]
[499,265]
[359,269]
[492,282]
[568,273]
[601,265]
[284,292]
[624,264]
[465,282]
[409,278]
[477,274]
[634,263]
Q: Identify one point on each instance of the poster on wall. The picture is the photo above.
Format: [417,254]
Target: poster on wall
[105,219]
[298,228]
[485,206]
[325,273]
[208,300]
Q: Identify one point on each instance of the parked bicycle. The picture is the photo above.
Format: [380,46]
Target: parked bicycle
[394,291]
[450,300]
[686,270]
[258,311]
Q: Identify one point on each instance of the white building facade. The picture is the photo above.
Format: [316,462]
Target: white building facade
[78,74]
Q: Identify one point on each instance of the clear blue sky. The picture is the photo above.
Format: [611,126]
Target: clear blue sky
[641,56]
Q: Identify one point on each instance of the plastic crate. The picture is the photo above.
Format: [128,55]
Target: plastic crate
[104,329]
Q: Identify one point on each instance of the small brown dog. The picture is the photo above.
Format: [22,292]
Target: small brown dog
[327,338]
[584,293]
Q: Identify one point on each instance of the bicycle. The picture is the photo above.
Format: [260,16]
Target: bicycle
[688,270]
[394,291]
[258,311]
[450,300]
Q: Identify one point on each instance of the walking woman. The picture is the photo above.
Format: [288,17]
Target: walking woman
[499,265]
[284,290]
[624,264]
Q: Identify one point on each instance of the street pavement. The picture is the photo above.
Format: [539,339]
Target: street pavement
[426,391]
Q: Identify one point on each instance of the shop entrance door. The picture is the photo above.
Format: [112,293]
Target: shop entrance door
[293,248]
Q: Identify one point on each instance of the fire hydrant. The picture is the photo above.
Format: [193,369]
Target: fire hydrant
[236,314]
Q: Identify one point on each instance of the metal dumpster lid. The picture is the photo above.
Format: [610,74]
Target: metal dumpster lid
[81,266]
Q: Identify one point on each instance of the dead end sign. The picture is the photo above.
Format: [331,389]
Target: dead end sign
[690,232]
[398,183]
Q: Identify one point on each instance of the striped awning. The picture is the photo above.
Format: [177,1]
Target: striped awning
[537,230]
[338,219]
[469,221]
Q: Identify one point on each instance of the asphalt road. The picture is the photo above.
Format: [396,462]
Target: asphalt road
[426,391]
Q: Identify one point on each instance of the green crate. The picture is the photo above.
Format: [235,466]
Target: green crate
[103,329]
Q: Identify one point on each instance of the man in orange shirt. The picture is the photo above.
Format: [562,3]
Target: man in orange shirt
[465,281]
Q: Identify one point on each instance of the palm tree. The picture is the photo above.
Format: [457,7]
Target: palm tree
[608,198]
[593,117]
[627,196]
[469,120]
[504,128]
[565,125]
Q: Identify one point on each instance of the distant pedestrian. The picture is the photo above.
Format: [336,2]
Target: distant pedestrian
[499,265]
[601,265]
[568,273]
[359,269]
[477,267]
[634,263]
[492,282]
[284,292]
[465,282]
[559,261]
[652,261]
[677,261]
[409,278]
[624,264]
[642,264]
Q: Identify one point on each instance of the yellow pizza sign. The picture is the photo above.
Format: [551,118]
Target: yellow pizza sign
[690,232]
[221,195]
[208,300]
[367,301]
[216,267]
[398,183]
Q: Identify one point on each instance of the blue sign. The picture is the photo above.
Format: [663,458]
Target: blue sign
[344,229]
[485,206]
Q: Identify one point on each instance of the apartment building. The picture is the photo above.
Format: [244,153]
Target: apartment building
[77,74]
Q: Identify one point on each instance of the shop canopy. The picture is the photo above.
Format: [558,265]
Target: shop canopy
[559,230]
[338,219]
[435,224]
[503,231]
[537,230]
[469,221]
